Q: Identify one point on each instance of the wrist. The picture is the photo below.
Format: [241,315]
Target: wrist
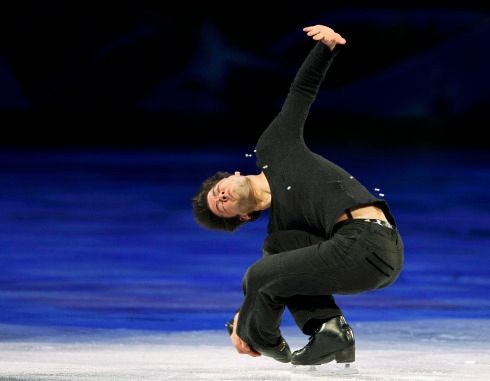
[330,45]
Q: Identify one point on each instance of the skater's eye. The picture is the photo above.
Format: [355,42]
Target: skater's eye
[216,189]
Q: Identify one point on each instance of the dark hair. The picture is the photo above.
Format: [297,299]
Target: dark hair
[205,217]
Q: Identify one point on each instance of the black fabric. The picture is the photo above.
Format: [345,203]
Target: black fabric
[303,308]
[307,257]
[308,191]
[361,256]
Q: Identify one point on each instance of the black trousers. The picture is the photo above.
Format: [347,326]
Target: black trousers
[302,271]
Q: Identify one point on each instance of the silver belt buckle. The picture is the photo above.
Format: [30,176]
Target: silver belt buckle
[380,222]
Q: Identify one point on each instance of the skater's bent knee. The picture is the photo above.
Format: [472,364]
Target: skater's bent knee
[271,245]
[261,272]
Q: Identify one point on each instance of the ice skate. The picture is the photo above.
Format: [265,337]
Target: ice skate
[334,340]
[281,352]
[332,370]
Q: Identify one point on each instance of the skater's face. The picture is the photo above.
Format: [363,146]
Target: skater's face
[231,197]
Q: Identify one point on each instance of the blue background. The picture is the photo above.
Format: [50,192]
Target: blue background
[113,115]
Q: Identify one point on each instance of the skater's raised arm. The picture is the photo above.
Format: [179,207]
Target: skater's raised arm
[287,127]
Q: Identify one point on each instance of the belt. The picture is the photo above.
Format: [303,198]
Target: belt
[380,222]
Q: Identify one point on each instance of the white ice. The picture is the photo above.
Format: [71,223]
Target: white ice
[403,350]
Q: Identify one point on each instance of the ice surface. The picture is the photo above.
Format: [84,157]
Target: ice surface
[402,350]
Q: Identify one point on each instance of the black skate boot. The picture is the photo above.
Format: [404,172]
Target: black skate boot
[281,352]
[334,340]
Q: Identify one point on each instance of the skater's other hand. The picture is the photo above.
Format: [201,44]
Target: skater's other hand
[241,346]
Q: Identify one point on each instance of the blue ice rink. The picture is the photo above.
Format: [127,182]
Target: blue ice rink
[104,241]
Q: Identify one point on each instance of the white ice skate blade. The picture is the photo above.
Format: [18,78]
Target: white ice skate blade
[332,369]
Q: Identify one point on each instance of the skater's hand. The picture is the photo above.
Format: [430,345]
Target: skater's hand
[325,34]
[241,346]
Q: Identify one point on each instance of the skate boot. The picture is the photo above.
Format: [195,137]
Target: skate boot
[281,352]
[334,340]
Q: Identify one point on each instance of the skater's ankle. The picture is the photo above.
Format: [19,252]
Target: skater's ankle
[312,326]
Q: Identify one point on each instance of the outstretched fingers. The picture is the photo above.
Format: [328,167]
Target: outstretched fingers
[325,34]
[311,31]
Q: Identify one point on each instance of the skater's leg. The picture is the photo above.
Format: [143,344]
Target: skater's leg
[311,311]
[308,311]
[270,282]
[376,258]
[286,240]
[339,265]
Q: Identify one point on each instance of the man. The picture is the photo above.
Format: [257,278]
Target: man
[327,233]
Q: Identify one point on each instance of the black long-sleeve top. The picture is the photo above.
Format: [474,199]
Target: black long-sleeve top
[308,191]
